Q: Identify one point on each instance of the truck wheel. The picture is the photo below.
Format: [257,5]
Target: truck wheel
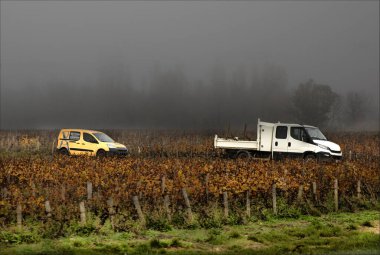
[310,157]
[243,155]
[101,154]
[63,151]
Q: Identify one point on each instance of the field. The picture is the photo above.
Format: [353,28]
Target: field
[175,194]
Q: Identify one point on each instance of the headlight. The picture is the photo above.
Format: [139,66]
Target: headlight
[323,146]
[111,145]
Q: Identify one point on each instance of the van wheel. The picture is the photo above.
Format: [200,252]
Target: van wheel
[101,154]
[243,155]
[310,157]
[63,151]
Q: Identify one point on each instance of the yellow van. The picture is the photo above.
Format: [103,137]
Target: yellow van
[88,142]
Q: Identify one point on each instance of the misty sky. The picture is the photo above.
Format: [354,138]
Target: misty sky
[334,43]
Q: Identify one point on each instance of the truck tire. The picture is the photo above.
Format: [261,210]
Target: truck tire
[243,155]
[100,153]
[310,157]
[63,151]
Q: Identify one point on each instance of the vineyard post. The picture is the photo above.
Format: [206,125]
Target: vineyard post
[350,156]
[206,185]
[82,211]
[4,193]
[300,193]
[248,203]
[33,189]
[163,185]
[89,190]
[111,211]
[48,208]
[167,206]
[274,199]
[63,192]
[315,191]
[19,216]
[336,194]
[358,189]
[166,198]
[52,147]
[187,202]
[138,209]
[225,203]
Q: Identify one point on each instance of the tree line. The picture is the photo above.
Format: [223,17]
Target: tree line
[169,99]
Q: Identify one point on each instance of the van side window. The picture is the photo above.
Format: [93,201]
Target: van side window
[74,136]
[281,132]
[65,134]
[89,138]
[298,133]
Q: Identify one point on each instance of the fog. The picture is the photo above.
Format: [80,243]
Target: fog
[193,65]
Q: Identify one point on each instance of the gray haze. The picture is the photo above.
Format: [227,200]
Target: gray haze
[181,64]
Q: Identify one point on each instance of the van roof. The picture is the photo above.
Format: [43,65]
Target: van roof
[80,130]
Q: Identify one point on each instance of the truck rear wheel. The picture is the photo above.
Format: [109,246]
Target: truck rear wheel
[63,151]
[243,155]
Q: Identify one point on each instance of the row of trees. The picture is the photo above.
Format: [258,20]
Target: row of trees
[168,99]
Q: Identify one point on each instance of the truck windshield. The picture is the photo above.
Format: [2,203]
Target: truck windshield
[103,137]
[315,133]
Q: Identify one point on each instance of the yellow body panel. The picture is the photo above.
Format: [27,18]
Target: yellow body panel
[84,142]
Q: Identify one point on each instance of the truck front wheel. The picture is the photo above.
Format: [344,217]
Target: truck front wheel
[310,157]
[100,153]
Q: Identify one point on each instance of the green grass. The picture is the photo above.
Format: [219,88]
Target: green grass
[336,234]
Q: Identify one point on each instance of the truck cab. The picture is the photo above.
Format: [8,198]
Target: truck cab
[294,140]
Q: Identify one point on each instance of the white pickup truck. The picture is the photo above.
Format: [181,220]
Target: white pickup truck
[278,140]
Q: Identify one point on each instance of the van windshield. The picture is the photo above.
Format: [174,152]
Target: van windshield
[103,137]
[315,133]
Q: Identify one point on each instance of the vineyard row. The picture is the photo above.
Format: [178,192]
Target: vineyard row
[67,188]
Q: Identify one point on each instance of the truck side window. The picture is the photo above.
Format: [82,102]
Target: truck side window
[74,136]
[89,138]
[295,132]
[281,132]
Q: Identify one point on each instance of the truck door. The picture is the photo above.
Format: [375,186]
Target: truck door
[265,135]
[298,141]
[280,140]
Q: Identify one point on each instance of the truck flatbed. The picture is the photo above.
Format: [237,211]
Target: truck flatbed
[223,143]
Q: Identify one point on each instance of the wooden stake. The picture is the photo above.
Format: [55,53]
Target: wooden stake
[82,210]
[19,216]
[163,184]
[63,193]
[274,199]
[47,208]
[336,194]
[167,207]
[89,190]
[138,209]
[33,189]
[358,189]
[315,191]
[187,202]
[206,185]
[300,193]
[248,203]
[111,211]
[225,204]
